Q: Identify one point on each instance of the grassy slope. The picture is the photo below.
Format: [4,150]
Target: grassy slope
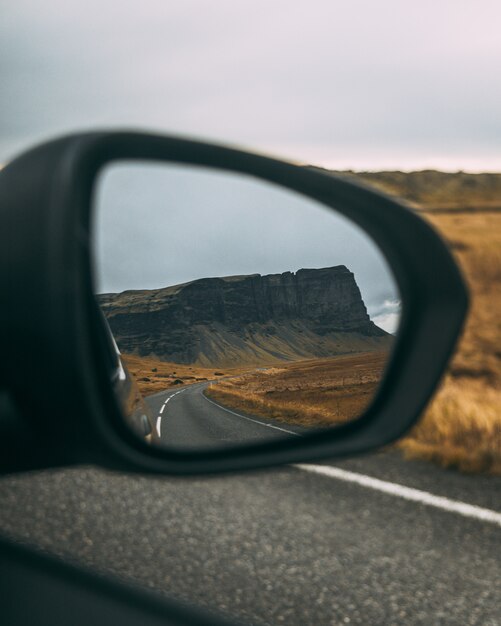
[153,375]
[462,426]
[316,392]
[440,190]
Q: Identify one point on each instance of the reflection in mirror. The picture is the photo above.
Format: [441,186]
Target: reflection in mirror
[242,311]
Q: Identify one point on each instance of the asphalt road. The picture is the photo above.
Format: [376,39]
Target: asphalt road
[185,417]
[284,546]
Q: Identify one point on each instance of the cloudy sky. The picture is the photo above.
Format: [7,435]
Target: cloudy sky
[348,85]
[358,84]
[159,225]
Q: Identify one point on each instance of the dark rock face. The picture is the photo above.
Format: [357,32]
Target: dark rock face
[226,320]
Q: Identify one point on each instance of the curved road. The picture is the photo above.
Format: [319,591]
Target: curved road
[185,417]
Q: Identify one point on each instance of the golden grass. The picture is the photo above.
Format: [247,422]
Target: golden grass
[440,190]
[462,426]
[316,392]
[153,375]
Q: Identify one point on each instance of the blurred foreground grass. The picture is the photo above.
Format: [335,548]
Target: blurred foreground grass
[462,426]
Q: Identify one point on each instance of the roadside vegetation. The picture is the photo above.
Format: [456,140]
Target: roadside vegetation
[462,426]
[316,392]
[153,375]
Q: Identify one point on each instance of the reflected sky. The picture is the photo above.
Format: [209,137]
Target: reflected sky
[161,225]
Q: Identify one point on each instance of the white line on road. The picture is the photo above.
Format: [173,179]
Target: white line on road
[408,493]
[159,418]
[284,430]
[394,489]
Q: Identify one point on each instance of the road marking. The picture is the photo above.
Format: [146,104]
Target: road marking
[159,418]
[290,432]
[408,493]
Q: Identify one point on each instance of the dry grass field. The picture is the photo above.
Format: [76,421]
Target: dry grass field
[153,375]
[462,426]
[440,190]
[316,392]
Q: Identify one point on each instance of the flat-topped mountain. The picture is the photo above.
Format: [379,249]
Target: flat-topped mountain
[249,319]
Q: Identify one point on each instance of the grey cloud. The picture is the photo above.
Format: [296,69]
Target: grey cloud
[314,80]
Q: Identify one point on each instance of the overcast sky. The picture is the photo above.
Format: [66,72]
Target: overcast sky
[161,225]
[358,84]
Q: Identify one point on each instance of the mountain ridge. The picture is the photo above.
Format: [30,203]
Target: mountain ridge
[253,318]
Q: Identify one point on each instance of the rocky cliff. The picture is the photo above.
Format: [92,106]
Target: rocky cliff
[246,319]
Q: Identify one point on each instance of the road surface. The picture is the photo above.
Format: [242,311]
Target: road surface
[185,417]
[285,546]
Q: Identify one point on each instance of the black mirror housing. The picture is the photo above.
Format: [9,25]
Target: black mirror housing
[54,353]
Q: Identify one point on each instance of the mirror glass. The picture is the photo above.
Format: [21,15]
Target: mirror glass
[241,311]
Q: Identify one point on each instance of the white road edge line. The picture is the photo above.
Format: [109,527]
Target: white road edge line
[408,493]
[290,432]
[159,418]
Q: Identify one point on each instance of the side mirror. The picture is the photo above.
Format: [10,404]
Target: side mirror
[317,313]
